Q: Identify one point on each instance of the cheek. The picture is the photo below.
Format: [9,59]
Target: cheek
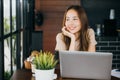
[79,25]
[66,24]
[67,28]
[79,28]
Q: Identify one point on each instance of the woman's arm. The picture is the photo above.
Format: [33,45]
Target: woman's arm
[72,45]
[60,44]
[72,37]
[92,48]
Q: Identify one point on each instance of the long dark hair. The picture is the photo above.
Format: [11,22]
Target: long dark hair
[84,38]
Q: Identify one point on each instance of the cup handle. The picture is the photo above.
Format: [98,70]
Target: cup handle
[54,76]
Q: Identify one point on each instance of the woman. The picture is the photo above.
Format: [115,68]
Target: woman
[76,34]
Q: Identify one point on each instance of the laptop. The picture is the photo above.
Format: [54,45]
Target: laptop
[85,65]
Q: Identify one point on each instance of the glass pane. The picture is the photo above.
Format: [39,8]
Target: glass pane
[6,16]
[13,15]
[14,52]
[7,58]
[21,3]
[21,49]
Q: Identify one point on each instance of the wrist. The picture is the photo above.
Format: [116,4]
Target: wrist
[73,38]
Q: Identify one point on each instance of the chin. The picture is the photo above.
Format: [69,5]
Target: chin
[72,32]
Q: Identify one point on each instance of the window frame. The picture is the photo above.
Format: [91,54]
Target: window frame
[3,36]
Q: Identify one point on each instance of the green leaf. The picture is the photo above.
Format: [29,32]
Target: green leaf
[45,60]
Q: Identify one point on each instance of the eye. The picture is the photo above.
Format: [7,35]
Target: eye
[67,19]
[75,19]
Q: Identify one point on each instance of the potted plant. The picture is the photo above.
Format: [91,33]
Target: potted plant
[45,64]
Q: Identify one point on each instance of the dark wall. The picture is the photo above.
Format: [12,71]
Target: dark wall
[112,45]
[99,10]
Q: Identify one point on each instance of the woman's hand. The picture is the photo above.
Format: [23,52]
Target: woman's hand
[71,36]
[67,33]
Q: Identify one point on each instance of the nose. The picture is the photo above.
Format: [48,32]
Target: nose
[71,22]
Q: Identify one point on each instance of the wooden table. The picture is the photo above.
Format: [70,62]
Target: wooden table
[25,74]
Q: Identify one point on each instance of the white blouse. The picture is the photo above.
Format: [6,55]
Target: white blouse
[60,44]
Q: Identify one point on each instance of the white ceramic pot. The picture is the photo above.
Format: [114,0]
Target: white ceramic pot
[33,68]
[45,74]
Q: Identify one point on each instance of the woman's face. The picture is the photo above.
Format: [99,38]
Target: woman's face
[72,22]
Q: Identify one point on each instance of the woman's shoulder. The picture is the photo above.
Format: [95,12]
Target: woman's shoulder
[91,31]
[92,36]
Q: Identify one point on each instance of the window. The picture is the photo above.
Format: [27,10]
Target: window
[16,19]
[10,37]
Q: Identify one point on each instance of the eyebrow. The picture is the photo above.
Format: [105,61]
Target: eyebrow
[72,17]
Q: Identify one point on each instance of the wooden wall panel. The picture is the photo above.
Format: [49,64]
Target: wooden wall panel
[53,11]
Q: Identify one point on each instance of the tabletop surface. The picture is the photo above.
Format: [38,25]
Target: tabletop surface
[24,74]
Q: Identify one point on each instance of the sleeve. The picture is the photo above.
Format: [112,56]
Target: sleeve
[92,37]
[60,44]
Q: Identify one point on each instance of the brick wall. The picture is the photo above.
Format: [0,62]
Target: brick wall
[110,44]
[53,11]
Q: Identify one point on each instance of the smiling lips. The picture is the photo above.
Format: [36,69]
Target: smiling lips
[72,28]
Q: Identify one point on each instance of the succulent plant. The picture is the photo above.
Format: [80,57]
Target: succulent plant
[45,61]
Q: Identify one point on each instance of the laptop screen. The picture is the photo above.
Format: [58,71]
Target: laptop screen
[88,65]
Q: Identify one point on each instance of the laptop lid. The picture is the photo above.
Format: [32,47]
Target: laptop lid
[88,65]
